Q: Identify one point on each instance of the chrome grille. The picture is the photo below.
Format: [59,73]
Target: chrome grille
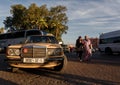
[35,52]
[39,52]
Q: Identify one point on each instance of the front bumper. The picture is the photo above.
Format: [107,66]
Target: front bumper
[2,50]
[48,63]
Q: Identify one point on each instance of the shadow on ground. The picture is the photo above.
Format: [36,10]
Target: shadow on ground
[97,58]
[6,82]
[71,79]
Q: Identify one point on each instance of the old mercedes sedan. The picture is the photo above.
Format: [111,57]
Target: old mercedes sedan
[37,52]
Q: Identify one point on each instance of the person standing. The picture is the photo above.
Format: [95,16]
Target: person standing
[87,49]
[79,47]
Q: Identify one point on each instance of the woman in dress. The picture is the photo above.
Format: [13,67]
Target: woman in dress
[87,49]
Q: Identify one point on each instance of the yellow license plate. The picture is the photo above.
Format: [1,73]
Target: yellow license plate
[33,60]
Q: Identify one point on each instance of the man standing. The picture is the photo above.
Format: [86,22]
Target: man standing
[79,47]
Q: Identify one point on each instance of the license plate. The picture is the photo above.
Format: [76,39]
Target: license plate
[33,60]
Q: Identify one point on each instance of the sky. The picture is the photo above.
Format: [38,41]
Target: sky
[85,17]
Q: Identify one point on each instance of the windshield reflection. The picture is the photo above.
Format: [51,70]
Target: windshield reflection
[41,39]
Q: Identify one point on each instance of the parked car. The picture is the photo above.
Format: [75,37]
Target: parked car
[37,52]
[66,48]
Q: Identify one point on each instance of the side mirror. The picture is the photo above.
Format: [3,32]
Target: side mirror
[22,42]
[60,43]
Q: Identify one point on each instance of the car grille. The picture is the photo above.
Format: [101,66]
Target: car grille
[34,52]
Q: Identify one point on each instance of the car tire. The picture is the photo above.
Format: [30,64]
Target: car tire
[62,66]
[13,69]
[108,51]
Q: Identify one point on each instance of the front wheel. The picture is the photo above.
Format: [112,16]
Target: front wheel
[108,51]
[62,66]
[13,69]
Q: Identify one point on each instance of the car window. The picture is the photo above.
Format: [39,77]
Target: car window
[41,39]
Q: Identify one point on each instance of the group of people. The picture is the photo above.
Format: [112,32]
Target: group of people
[84,48]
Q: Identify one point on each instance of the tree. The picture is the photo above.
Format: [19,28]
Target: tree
[59,20]
[16,19]
[1,30]
[8,22]
[18,13]
[53,20]
[37,16]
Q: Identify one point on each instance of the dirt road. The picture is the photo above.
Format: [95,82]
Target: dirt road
[101,70]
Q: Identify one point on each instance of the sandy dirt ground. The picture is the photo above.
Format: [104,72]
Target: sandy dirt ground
[101,70]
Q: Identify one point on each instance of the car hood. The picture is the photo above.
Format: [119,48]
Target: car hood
[47,45]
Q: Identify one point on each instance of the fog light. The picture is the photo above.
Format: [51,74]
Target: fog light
[25,50]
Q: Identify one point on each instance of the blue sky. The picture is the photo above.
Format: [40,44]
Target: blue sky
[86,17]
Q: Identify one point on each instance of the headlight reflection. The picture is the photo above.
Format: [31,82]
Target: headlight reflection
[54,52]
[13,52]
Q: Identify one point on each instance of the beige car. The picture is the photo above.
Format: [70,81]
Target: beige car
[37,52]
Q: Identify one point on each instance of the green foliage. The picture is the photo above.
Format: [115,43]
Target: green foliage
[8,22]
[59,20]
[1,30]
[53,20]
[17,12]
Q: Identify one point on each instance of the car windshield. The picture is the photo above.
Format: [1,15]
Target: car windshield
[41,39]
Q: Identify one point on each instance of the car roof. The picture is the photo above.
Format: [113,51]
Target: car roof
[42,35]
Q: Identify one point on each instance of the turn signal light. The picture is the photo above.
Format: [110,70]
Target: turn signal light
[25,50]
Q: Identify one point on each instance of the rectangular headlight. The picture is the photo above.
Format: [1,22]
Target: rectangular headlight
[54,51]
[13,51]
